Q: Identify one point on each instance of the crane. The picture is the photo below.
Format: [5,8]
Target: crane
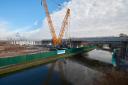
[56,40]
[50,23]
[63,27]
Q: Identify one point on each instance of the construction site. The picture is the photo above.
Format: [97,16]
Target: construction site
[18,47]
[64,60]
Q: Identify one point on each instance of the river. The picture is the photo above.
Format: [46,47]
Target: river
[61,72]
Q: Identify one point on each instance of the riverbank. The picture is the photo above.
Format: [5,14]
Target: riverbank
[35,62]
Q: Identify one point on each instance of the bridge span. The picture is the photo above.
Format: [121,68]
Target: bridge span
[102,39]
[110,41]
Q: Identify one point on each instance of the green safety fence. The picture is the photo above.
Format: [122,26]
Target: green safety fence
[25,58]
[30,57]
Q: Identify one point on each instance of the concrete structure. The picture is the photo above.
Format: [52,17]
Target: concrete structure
[111,41]
[21,42]
[102,39]
[25,42]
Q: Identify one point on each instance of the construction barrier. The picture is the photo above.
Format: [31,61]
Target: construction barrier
[32,57]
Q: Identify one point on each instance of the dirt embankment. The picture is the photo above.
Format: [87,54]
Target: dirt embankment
[8,50]
[113,78]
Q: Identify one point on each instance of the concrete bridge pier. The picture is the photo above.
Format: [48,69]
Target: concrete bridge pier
[124,50]
[121,55]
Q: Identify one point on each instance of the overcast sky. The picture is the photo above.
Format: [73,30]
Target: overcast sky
[89,18]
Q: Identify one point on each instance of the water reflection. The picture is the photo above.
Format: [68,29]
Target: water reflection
[102,55]
[61,73]
[50,73]
[68,72]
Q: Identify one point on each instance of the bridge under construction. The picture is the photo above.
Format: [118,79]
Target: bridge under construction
[29,56]
[17,55]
